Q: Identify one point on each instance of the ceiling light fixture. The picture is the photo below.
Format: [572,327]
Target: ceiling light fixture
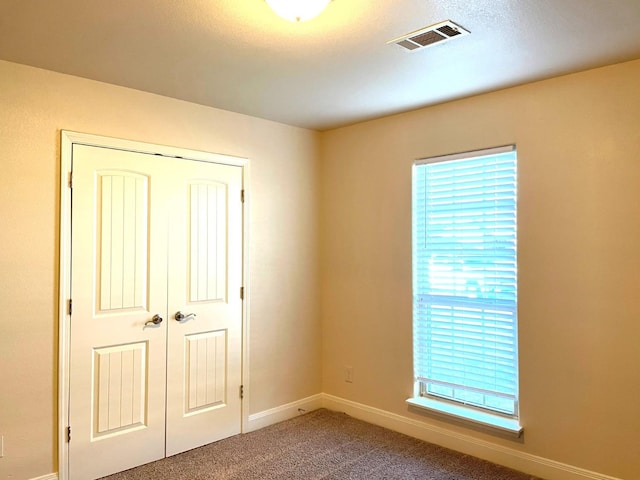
[298,10]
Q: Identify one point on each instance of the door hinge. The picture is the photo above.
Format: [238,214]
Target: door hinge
[241,391]
[241,293]
[70,306]
[242,196]
[70,179]
[68,434]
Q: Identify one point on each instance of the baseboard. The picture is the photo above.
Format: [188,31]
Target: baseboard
[508,457]
[284,412]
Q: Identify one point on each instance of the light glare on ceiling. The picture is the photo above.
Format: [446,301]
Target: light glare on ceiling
[298,10]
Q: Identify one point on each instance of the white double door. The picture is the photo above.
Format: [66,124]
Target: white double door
[152,236]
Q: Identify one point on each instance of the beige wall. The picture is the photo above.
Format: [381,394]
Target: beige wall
[34,106]
[578,140]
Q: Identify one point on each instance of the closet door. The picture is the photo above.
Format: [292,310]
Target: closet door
[205,308]
[152,236]
[119,311]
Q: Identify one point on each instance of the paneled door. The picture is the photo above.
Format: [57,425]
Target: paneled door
[205,306]
[156,270]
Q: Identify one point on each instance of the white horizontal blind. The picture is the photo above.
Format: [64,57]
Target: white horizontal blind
[465,279]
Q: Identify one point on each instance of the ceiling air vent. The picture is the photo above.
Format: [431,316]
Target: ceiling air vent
[425,37]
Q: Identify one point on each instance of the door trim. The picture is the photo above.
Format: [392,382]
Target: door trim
[67,140]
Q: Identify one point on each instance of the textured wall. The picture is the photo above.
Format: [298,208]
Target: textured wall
[35,106]
[578,140]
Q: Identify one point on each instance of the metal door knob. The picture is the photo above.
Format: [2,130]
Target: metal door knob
[156,320]
[182,317]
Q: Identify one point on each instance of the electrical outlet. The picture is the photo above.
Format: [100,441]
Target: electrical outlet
[348,374]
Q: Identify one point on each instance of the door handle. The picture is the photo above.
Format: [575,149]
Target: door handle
[156,320]
[181,317]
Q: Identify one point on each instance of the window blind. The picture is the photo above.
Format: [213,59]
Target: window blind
[465,279]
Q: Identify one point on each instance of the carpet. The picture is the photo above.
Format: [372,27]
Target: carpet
[321,445]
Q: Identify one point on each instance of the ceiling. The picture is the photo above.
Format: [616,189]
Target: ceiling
[332,71]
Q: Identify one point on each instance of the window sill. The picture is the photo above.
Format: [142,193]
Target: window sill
[485,420]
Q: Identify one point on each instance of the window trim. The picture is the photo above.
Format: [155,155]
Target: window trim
[493,422]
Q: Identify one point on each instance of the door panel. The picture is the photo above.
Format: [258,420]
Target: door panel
[152,235]
[122,240]
[120,376]
[208,241]
[205,370]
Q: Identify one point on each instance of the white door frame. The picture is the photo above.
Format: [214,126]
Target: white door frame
[68,139]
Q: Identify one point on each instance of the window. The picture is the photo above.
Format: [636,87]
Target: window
[465,280]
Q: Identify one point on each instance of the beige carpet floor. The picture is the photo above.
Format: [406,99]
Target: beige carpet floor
[321,445]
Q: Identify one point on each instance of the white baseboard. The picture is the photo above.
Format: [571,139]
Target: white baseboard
[284,412]
[508,457]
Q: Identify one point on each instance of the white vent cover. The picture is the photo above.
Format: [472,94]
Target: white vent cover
[425,37]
